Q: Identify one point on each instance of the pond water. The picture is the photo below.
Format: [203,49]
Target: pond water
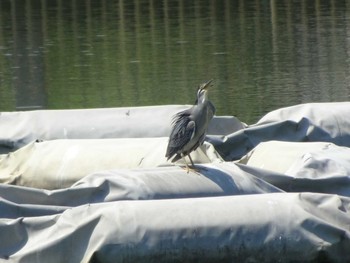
[262,55]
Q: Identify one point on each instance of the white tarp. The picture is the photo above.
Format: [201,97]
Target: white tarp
[311,166]
[60,163]
[120,201]
[20,128]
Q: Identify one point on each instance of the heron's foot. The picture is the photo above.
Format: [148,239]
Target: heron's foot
[192,169]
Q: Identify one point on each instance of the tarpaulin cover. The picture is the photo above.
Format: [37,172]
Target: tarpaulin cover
[326,122]
[94,186]
[20,128]
[60,163]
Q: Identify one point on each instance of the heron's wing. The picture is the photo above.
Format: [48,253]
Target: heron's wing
[182,132]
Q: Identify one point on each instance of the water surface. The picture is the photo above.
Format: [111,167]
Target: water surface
[109,53]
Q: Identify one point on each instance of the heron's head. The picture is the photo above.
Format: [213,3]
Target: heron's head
[202,93]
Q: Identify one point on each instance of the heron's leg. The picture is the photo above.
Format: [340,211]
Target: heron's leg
[194,168]
[187,167]
[189,156]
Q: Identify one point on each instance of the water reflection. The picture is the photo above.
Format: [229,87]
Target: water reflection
[98,53]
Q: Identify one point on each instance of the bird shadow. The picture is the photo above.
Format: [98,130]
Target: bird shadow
[220,178]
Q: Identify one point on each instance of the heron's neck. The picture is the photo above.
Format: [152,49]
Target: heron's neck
[203,99]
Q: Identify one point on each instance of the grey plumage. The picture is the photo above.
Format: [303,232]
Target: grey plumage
[189,126]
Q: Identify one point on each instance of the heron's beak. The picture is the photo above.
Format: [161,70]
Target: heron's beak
[206,85]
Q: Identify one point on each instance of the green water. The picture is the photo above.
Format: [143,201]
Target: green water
[59,54]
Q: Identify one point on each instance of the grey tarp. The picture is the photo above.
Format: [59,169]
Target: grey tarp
[327,122]
[127,204]
[249,228]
